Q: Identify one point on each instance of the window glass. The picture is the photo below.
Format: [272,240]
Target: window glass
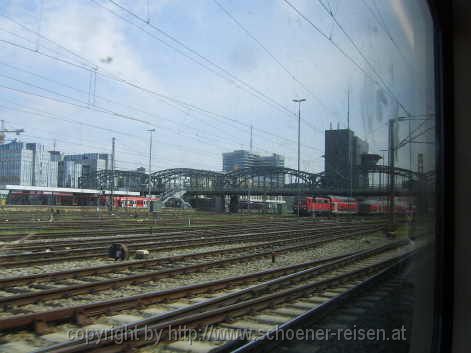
[159,159]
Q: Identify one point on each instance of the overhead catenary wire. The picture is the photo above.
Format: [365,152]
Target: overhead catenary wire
[76,102]
[205,142]
[226,74]
[166,98]
[347,56]
[382,23]
[100,97]
[153,114]
[305,146]
[99,147]
[38,113]
[278,61]
[364,57]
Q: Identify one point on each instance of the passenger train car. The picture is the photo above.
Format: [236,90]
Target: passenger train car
[343,205]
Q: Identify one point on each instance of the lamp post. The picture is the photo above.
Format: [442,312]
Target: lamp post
[150,163]
[299,101]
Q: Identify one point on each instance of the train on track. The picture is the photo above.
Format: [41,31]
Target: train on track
[28,197]
[133,201]
[340,205]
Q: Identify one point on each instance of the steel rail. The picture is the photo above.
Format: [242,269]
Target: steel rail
[41,233]
[47,260]
[266,342]
[68,291]
[219,309]
[159,245]
[170,236]
[80,314]
[95,270]
[32,245]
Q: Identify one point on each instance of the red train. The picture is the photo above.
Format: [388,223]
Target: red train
[339,205]
[132,201]
[313,205]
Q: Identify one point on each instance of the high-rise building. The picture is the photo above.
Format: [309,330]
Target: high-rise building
[29,164]
[343,159]
[69,174]
[275,160]
[243,159]
[90,164]
[237,160]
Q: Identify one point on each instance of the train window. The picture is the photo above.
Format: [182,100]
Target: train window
[255,172]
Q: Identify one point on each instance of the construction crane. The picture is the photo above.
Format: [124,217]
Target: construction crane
[4,131]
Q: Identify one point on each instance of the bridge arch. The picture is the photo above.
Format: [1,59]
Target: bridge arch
[175,179]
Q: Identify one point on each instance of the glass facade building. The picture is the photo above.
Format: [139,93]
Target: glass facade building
[27,164]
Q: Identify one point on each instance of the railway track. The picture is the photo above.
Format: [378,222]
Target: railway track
[80,230]
[91,248]
[170,266]
[38,233]
[287,293]
[21,260]
[383,302]
[59,244]
[82,313]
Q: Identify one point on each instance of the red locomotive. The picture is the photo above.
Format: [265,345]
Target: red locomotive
[340,205]
[132,201]
[313,205]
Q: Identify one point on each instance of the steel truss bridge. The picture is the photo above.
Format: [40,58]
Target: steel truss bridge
[256,181]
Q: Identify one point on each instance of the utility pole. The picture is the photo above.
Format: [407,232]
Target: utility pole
[250,180]
[150,163]
[381,175]
[350,156]
[113,141]
[299,101]
[391,156]
[410,144]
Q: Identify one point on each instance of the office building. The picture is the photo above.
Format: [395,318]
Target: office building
[90,164]
[343,159]
[236,160]
[27,164]
[244,159]
[69,174]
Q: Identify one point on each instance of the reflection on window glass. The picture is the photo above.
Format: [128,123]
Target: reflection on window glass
[216,175]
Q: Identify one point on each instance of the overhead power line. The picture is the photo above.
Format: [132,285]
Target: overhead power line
[345,54]
[226,74]
[197,137]
[285,69]
[47,115]
[158,116]
[364,57]
[165,98]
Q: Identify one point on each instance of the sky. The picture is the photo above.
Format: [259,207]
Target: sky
[76,73]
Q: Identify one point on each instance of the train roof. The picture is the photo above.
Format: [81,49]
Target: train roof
[341,198]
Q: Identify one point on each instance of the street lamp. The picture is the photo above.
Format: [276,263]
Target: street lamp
[299,101]
[150,163]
